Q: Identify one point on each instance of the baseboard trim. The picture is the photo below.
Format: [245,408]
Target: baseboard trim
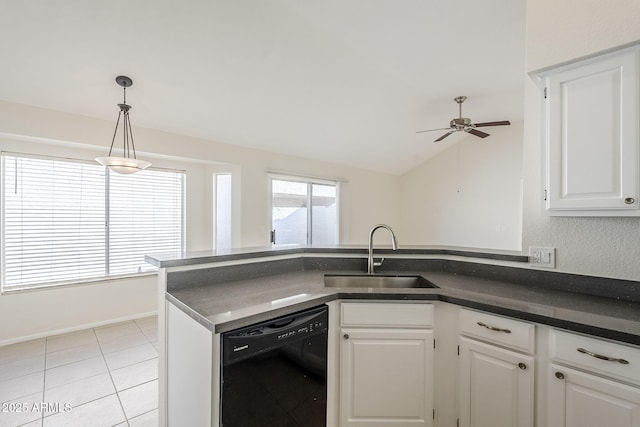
[76,328]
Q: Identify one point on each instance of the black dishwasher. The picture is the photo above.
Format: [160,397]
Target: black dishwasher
[274,373]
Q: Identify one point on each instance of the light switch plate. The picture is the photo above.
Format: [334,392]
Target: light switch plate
[542,257]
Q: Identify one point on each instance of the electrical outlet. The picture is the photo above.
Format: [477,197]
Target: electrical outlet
[542,257]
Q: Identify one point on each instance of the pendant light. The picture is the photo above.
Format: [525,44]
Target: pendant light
[127,164]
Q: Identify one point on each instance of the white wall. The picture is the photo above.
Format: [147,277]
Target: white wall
[372,198]
[468,195]
[36,314]
[561,31]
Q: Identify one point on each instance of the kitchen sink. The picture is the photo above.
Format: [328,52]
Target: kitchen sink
[375,281]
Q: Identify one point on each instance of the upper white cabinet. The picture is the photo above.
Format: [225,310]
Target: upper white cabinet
[592,145]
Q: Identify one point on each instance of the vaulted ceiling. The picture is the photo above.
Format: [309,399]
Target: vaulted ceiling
[345,81]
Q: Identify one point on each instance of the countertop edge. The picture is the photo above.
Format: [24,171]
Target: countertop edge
[190,312]
[208,257]
[342,294]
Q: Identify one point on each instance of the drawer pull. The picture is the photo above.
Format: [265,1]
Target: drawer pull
[493,328]
[601,357]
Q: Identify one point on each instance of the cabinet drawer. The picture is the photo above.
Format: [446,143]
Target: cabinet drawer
[572,349]
[390,315]
[498,330]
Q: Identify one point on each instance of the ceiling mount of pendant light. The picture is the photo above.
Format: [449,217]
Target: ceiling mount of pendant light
[128,163]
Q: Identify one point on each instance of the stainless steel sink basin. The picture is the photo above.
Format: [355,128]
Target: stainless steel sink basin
[375,281]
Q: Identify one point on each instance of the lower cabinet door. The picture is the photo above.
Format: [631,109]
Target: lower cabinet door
[579,399]
[496,386]
[386,377]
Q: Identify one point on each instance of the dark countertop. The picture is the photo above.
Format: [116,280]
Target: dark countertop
[227,305]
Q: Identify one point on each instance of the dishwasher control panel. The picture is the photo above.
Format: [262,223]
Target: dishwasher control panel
[311,327]
[262,337]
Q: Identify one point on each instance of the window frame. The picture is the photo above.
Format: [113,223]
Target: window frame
[89,279]
[309,181]
[216,235]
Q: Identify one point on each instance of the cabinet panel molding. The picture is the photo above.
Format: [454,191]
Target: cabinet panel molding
[592,144]
[496,386]
[581,399]
[386,377]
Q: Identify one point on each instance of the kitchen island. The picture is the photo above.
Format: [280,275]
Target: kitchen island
[223,292]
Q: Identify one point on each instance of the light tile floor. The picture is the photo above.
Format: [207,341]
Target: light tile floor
[106,376]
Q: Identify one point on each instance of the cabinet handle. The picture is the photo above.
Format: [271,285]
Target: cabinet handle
[629,200]
[601,357]
[559,375]
[522,366]
[493,328]
[345,336]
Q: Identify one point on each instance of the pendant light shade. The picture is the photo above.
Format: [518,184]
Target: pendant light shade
[128,163]
[123,165]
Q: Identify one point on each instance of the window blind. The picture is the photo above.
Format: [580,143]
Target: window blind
[145,216]
[67,220]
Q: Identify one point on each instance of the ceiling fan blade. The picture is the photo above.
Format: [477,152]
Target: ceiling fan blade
[444,136]
[431,130]
[485,124]
[477,133]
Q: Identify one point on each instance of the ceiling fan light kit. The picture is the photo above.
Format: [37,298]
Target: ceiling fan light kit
[463,124]
[128,164]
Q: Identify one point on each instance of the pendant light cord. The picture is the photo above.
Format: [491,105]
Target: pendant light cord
[128,162]
[127,133]
[115,132]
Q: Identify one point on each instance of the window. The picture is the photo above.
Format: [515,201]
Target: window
[304,211]
[222,235]
[68,220]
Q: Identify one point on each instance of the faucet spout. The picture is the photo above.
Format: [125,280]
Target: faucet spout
[371,265]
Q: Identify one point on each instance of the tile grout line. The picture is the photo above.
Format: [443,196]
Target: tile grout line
[126,419]
[136,385]
[24,375]
[62,385]
[144,413]
[70,348]
[93,332]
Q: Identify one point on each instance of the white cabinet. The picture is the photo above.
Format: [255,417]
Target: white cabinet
[604,392]
[592,138]
[386,364]
[580,399]
[192,381]
[496,384]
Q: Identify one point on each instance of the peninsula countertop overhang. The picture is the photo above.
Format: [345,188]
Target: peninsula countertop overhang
[183,259]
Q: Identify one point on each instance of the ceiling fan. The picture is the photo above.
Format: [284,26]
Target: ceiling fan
[464,124]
